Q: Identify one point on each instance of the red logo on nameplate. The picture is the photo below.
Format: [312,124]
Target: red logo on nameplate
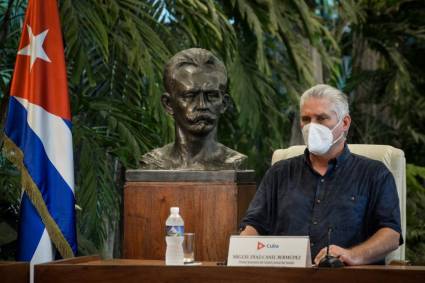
[260,245]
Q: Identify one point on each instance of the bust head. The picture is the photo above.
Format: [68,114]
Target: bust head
[195,95]
[195,82]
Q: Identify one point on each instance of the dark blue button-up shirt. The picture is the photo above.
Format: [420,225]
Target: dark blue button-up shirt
[356,197]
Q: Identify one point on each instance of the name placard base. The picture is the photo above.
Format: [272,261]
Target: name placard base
[286,251]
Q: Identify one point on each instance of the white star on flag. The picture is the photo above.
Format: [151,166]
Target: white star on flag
[35,48]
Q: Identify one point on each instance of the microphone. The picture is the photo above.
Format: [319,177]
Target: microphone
[329,260]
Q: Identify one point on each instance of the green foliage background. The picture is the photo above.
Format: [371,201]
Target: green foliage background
[273,50]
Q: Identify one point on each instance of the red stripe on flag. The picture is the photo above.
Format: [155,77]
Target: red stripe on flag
[42,82]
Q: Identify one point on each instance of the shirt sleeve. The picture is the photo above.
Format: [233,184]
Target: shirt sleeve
[258,215]
[386,211]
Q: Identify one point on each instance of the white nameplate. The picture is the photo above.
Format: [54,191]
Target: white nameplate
[291,251]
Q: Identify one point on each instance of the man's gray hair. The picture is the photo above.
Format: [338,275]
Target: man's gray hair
[337,98]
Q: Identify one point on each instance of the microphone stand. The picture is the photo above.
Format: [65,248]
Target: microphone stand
[329,260]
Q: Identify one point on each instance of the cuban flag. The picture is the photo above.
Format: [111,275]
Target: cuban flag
[38,138]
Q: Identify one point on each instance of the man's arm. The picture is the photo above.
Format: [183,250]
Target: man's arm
[257,219]
[375,248]
[385,220]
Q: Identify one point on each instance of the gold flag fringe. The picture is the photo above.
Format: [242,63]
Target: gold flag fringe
[15,155]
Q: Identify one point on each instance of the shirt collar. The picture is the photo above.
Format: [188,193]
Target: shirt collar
[336,161]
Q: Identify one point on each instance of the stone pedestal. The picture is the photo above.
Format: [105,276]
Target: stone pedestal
[211,203]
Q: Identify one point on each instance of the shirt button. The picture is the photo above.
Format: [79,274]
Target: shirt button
[312,244]
[318,201]
[353,198]
[322,180]
[315,222]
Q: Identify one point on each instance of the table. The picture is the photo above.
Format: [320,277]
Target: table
[94,269]
[13,271]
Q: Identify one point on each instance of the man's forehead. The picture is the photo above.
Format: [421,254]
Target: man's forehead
[318,106]
[316,113]
[329,111]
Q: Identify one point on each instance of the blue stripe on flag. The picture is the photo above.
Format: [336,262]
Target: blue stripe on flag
[68,123]
[57,195]
[30,230]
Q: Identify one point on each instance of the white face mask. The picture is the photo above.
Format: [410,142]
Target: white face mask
[319,138]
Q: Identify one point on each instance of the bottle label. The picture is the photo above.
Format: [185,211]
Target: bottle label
[174,230]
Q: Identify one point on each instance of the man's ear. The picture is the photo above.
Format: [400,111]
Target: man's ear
[166,103]
[346,122]
[226,103]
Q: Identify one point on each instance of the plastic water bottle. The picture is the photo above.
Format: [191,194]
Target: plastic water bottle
[174,235]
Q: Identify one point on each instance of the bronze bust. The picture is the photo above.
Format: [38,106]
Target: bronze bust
[195,83]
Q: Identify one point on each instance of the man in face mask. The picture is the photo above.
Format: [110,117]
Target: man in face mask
[329,190]
[324,123]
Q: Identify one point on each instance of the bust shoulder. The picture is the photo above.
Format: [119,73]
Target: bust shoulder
[232,157]
[165,158]
[158,158]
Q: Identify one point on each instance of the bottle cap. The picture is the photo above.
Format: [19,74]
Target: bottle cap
[174,210]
